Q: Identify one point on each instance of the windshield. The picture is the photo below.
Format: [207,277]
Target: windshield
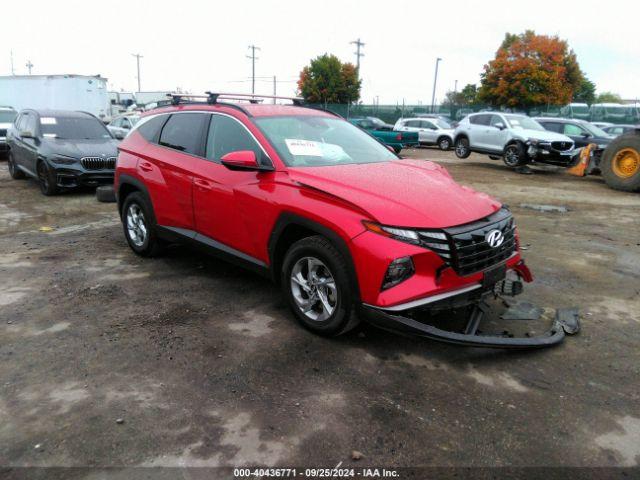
[580,109]
[593,130]
[7,117]
[73,128]
[442,124]
[520,121]
[309,141]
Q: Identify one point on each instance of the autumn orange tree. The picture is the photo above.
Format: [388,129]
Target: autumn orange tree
[328,80]
[529,70]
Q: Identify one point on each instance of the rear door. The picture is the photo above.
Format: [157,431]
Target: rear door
[413,126]
[166,168]
[428,132]
[496,133]
[217,191]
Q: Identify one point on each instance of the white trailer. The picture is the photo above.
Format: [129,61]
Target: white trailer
[59,92]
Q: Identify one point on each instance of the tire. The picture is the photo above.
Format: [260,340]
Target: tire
[14,171]
[139,226]
[46,179]
[316,263]
[462,148]
[444,143]
[397,150]
[515,155]
[620,164]
[105,194]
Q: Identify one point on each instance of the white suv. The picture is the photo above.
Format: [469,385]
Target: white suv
[515,138]
[431,131]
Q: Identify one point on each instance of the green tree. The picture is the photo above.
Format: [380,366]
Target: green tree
[608,97]
[327,80]
[466,96]
[529,70]
[586,92]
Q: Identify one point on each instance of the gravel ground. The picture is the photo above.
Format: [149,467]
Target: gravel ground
[110,360]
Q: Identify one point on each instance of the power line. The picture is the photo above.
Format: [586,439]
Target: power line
[138,57]
[253,58]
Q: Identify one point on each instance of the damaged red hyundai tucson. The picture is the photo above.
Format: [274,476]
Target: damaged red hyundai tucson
[345,227]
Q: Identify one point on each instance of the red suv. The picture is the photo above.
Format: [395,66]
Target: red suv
[324,209]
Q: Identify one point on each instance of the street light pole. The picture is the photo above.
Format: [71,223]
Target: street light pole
[253,58]
[435,81]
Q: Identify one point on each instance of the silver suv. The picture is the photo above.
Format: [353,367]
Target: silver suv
[431,131]
[515,138]
[7,116]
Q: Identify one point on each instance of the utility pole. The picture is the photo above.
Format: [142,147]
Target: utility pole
[358,45]
[435,81]
[274,89]
[29,66]
[13,72]
[138,57]
[253,58]
[455,88]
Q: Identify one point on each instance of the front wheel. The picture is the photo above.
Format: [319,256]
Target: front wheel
[444,143]
[316,285]
[620,164]
[46,179]
[14,171]
[462,147]
[515,155]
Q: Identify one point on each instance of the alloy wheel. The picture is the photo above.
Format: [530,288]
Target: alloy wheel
[461,149]
[511,156]
[136,225]
[314,289]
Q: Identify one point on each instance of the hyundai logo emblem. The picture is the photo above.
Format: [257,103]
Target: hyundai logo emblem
[494,238]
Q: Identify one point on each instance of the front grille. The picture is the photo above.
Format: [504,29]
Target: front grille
[562,146]
[465,247]
[98,163]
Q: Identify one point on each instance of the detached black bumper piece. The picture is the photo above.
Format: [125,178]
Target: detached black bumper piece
[565,323]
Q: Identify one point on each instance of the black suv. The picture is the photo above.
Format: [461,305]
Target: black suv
[61,149]
[581,132]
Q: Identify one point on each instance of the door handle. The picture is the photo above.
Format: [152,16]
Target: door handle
[146,166]
[202,184]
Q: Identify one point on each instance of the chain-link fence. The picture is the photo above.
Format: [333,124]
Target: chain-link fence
[610,113]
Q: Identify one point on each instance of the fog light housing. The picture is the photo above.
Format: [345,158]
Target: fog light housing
[399,270]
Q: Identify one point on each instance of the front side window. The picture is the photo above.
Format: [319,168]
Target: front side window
[30,124]
[183,132]
[228,135]
[428,125]
[571,129]
[554,127]
[309,141]
[73,128]
[7,116]
[495,120]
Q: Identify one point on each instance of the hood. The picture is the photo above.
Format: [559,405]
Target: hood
[83,148]
[544,135]
[403,193]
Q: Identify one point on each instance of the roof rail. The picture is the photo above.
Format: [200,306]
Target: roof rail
[212,97]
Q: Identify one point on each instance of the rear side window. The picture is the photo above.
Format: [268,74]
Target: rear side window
[150,127]
[553,126]
[183,132]
[480,119]
[412,123]
[228,135]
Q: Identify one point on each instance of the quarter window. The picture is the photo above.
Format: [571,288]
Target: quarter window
[183,132]
[228,135]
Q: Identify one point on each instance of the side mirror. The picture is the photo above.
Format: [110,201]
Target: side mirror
[126,126]
[27,134]
[499,126]
[586,135]
[242,160]
[119,135]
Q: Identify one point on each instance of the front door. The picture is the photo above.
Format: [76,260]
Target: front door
[218,193]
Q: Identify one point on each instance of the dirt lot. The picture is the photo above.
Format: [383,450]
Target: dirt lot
[205,366]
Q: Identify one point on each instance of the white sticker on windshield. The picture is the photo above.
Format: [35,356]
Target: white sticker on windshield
[307,148]
[49,135]
[48,121]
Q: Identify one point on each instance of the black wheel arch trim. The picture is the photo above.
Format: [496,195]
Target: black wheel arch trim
[125,179]
[287,219]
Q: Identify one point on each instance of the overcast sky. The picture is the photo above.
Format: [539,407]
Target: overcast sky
[202,45]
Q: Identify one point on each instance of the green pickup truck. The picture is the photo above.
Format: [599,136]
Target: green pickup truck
[386,134]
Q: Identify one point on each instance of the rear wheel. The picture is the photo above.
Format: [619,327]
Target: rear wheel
[14,171]
[515,155]
[139,226]
[462,147]
[316,285]
[444,143]
[620,164]
[46,179]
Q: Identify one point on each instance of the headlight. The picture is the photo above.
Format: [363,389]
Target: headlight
[402,234]
[533,141]
[63,160]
